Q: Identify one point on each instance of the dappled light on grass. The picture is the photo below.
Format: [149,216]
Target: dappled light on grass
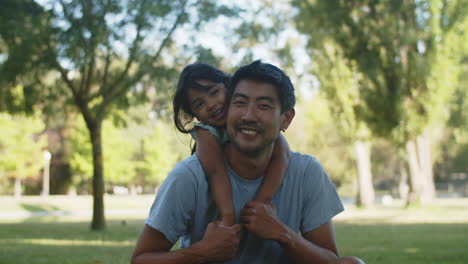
[443,211]
[383,234]
[412,250]
[70,242]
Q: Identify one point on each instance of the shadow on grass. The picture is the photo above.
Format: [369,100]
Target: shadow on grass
[43,213]
[39,208]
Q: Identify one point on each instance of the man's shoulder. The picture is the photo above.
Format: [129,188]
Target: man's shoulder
[306,169]
[188,169]
[304,162]
[189,163]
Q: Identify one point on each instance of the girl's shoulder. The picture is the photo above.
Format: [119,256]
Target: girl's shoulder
[219,133]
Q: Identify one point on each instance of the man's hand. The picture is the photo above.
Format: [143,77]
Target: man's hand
[220,242]
[261,220]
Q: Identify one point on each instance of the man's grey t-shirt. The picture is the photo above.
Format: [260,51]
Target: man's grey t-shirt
[183,206]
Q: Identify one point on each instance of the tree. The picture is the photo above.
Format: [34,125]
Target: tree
[315,132]
[339,82]
[24,26]
[455,148]
[408,53]
[21,147]
[120,167]
[104,52]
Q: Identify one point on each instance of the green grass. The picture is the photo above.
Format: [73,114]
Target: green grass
[67,242]
[436,234]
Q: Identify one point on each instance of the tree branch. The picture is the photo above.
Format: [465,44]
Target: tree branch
[68,82]
[122,88]
[106,70]
[133,51]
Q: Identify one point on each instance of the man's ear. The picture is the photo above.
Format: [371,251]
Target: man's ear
[287,117]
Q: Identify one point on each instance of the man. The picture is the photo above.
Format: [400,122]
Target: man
[296,227]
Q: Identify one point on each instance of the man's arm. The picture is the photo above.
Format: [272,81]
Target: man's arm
[316,246]
[219,243]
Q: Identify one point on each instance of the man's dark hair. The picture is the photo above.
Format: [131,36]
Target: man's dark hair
[268,73]
[188,79]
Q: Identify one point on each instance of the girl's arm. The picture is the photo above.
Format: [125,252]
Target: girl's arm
[211,157]
[276,169]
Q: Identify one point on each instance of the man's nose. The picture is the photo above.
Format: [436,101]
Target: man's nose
[249,113]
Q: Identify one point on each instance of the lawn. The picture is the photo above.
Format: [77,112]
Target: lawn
[435,234]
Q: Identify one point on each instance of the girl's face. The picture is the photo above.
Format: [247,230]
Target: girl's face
[209,106]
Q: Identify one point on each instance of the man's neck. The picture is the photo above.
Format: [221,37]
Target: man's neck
[249,167]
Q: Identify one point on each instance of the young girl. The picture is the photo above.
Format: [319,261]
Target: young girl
[202,94]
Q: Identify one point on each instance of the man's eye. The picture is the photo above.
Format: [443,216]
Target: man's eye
[265,106]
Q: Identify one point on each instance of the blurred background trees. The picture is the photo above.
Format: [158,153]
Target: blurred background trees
[381,89]
[407,56]
[103,54]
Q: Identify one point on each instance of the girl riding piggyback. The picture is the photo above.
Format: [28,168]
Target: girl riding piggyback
[202,93]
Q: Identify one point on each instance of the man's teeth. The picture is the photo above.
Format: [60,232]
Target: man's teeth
[249,132]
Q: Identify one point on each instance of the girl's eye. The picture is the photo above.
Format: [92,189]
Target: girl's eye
[214,92]
[197,105]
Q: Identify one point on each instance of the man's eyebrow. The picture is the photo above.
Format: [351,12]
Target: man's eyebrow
[234,95]
[266,98]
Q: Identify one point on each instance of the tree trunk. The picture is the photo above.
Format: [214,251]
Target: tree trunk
[422,188]
[403,187]
[17,187]
[133,190]
[424,151]
[98,222]
[366,194]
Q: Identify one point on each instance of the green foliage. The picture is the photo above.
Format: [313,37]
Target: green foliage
[138,154]
[158,152]
[454,153]
[406,50]
[24,55]
[339,83]
[21,146]
[119,147]
[314,132]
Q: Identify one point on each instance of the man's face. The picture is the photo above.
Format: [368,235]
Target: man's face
[254,117]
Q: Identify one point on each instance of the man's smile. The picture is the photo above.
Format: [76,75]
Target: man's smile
[248,132]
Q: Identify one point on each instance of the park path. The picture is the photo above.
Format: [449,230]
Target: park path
[18,215]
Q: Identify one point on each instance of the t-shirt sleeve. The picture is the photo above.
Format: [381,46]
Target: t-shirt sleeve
[174,204]
[219,133]
[322,202]
[211,129]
